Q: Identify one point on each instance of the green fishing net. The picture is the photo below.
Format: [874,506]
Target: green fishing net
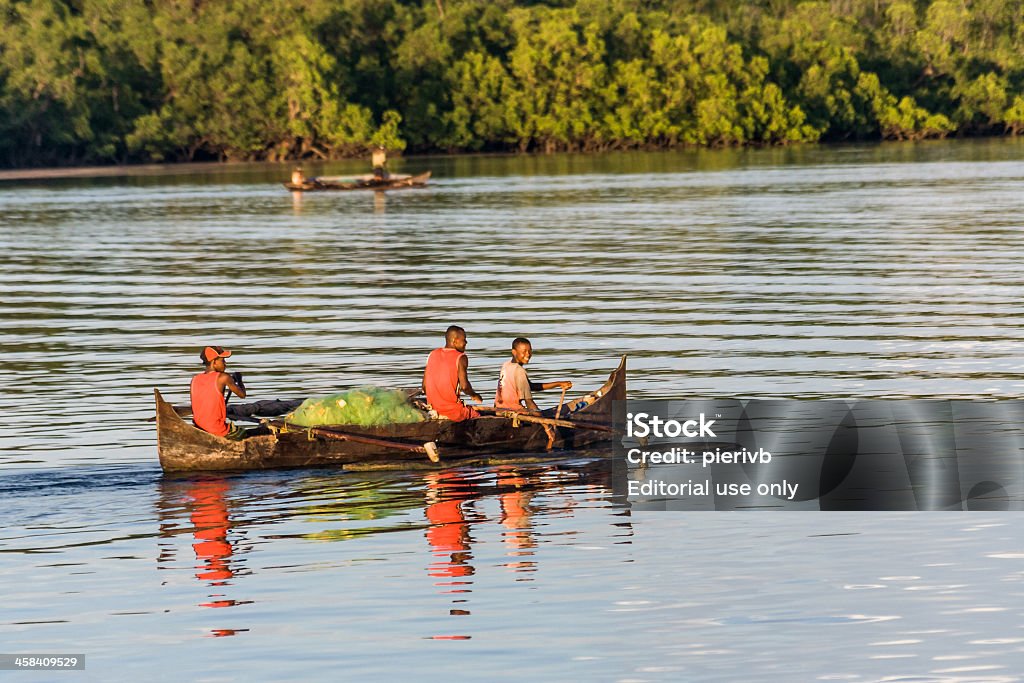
[365,406]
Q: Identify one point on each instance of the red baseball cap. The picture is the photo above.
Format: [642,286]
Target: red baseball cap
[211,353]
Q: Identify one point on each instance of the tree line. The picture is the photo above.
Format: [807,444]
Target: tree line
[111,81]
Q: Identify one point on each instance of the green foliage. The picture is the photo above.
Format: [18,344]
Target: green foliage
[981,102]
[387,135]
[1014,116]
[479,85]
[95,81]
[899,120]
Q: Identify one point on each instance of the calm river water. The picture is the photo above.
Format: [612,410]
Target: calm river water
[882,271]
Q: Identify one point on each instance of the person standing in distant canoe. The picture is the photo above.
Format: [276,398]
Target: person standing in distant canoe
[209,405]
[379,162]
[514,386]
[298,177]
[447,375]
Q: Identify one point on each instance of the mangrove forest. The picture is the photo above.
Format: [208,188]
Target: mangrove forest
[117,81]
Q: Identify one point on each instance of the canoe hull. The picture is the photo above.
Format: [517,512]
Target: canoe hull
[361,183]
[182,447]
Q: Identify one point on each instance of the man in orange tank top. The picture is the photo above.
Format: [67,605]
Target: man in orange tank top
[514,386]
[446,376]
[209,408]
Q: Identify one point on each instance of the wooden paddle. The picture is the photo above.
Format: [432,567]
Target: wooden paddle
[429,448]
[559,423]
[560,402]
[539,419]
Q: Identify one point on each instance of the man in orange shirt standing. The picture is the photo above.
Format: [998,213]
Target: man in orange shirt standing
[209,405]
[446,376]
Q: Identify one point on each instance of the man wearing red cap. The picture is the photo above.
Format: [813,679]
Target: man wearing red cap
[209,408]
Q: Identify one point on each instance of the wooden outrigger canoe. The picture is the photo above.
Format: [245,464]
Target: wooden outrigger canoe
[365,182]
[582,422]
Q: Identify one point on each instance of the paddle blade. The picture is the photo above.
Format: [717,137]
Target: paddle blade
[432,452]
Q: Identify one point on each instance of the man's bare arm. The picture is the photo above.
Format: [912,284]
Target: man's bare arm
[225,381]
[467,388]
[544,386]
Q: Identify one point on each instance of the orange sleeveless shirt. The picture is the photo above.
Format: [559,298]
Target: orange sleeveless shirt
[441,382]
[208,409]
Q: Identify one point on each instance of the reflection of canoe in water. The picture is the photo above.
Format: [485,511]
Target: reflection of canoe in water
[584,421]
[363,182]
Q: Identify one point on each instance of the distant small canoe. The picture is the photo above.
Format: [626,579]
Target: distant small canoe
[363,182]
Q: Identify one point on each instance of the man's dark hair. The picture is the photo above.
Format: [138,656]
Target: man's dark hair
[520,341]
[454,329]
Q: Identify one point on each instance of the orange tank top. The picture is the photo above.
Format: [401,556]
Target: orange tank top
[208,410]
[441,382]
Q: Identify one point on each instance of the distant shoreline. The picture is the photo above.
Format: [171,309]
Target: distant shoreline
[52,172]
[112,171]
[135,170]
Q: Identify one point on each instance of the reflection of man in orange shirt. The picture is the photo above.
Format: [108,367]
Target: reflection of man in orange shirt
[448,533]
[210,519]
